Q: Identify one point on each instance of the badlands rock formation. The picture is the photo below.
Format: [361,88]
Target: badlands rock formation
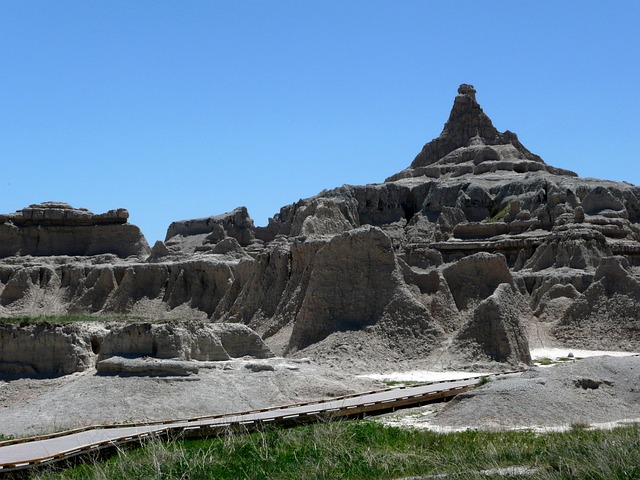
[459,258]
[56,228]
[137,348]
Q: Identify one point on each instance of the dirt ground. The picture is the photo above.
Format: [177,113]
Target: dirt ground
[36,406]
[597,390]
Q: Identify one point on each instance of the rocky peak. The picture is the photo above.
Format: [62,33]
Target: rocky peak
[467,121]
[469,139]
[466,89]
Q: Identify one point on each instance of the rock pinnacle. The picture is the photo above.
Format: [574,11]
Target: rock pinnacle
[467,122]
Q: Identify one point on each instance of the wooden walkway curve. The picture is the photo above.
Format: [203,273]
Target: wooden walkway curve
[32,452]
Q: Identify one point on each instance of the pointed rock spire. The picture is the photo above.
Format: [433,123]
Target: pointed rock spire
[467,124]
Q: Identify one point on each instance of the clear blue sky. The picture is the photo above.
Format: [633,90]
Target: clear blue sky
[185,109]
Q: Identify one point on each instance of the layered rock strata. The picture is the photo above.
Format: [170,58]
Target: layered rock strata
[454,259]
[56,228]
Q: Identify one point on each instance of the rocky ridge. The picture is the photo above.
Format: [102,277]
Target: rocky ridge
[475,249]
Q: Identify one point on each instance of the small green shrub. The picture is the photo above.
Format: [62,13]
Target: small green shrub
[544,361]
[397,383]
[497,213]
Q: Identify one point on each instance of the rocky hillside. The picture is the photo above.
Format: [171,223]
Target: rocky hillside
[476,249]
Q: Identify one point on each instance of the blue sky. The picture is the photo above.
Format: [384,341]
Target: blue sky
[187,109]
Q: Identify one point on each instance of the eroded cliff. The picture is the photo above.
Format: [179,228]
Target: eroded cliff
[475,249]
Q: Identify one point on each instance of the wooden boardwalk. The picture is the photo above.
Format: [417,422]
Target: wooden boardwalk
[36,451]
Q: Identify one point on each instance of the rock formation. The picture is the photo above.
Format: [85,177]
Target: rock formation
[46,349]
[56,228]
[497,330]
[455,258]
[200,234]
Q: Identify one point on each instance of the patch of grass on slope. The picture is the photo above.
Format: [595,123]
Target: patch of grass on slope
[69,318]
[26,319]
[368,450]
[402,383]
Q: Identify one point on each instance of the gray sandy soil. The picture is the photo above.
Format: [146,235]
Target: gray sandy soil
[595,391]
[592,391]
[36,406]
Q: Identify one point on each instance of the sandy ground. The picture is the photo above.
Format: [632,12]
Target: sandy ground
[413,376]
[31,407]
[556,354]
[597,391]
[589,389]
[563,353]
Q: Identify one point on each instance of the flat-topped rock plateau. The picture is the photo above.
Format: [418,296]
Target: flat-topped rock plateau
[473,253]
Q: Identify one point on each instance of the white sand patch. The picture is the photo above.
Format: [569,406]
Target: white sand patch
[422,421]
[424,417]
[420,376]
[566,352]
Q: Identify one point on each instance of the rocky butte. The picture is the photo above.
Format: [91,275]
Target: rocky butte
[472,253]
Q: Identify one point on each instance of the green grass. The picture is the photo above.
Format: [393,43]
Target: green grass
[544,361]
[368,450]
[397,383]
[569,359]
[497,214]
[70,318]
[59,319]
[548,361]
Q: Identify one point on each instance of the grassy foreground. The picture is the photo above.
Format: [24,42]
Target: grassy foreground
[368,450]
